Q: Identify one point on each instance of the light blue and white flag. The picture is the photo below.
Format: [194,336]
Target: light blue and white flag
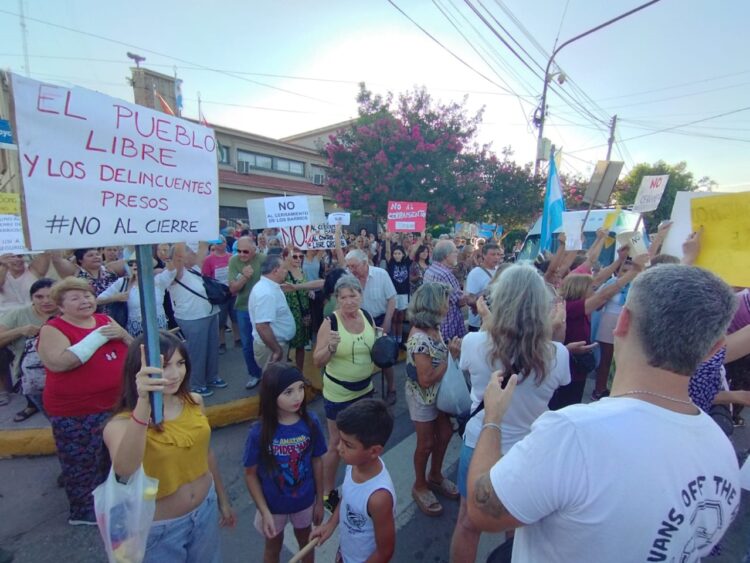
[554,206]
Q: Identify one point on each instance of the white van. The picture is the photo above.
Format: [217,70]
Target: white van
[626,222]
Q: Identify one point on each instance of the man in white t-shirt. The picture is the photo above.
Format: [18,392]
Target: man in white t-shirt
[271,317]
[480,277]
[643,475]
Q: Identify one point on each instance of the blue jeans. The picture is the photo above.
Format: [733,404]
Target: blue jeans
[464,461]
[192,538]
[246,335]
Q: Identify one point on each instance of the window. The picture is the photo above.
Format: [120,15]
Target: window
[283,165]
[317,174]
[223,154]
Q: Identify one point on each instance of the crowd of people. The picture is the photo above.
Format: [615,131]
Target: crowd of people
[641,473]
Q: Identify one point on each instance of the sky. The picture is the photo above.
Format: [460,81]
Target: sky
[280,68]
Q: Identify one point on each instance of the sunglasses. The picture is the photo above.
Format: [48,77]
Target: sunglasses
[297,256]
[131,262]
[243,252]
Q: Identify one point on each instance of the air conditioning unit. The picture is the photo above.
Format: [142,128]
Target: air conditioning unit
[318,179]
[243,167]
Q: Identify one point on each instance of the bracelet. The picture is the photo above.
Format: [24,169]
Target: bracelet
[142,423]
[491,425]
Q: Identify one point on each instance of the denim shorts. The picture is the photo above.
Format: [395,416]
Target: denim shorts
[464,460]
[333,409]
[192,538]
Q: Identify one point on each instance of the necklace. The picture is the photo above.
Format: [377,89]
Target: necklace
[644,392]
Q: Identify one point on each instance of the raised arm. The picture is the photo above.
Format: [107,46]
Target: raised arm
[604,294]
[605,273]
[658,240]
[554,264]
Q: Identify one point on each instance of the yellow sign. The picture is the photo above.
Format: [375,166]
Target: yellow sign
[10,204]
[610,220]
[725,243]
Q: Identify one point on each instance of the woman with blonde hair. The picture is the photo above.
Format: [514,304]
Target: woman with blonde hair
[516,337]
[581,300]
[426,364]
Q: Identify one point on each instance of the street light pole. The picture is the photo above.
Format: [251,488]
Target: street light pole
[543,106]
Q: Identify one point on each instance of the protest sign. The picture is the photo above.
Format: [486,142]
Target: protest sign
[602,182]
[406,216]
[11,229]
[278,212]
[681,222]
[307,237]
[649,193]
[486,230]
[572,227]
[100,171]
[725,242]
[339,218]
[635,241]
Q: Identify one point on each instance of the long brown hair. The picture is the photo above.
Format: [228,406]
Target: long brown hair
[268,415]
[168,345]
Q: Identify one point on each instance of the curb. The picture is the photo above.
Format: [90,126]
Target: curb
[39,441]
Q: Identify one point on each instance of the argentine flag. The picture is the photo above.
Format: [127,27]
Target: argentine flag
[554,205]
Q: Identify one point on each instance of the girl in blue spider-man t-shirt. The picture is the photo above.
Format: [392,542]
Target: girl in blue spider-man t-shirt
[283,465]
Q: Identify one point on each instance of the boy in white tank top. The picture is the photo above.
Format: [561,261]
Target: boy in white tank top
[368,499]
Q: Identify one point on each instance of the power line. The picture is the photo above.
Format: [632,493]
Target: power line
[454,55]
[670,129]
[151,51]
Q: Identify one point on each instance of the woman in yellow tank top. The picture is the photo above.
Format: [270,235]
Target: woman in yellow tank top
[191,502]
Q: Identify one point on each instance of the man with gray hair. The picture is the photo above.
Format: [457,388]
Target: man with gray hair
[643,475]
[444,259]
[270,315]
[378,299]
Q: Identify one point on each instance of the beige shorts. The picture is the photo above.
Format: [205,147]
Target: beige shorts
[418,410]
[300,520]
[263,353]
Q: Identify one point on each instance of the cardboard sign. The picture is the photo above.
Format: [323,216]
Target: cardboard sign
[572,227]
[100,171]
[486,230]
[602,182]
[11,227]
[318,237]
[406,216]
[682,224]
[278,212]
[725,243]
[339,218]
[649,193]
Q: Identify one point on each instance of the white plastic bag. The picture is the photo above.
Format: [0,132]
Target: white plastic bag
[124,513]
[453,394]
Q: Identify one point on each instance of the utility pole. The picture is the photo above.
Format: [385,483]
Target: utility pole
[611,140]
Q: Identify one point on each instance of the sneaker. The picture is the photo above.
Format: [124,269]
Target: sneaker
[218,383]
[202,391]
[331,501]
[90,521]
[252,382]
[222,348]
[596,395]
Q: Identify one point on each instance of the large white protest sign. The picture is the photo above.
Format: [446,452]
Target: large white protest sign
[98,171]
[279,212]
[649,193]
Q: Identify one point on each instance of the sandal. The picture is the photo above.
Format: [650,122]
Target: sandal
[446,488]
[28,412]
[427,503]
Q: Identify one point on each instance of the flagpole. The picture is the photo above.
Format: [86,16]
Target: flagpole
[200,111]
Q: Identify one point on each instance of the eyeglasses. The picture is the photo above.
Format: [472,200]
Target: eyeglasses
[131,262]
[243,252]
[297,256]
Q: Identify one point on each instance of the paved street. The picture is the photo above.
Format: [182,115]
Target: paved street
[33,510]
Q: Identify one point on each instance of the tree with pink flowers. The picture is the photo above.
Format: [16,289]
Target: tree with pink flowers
[409,149]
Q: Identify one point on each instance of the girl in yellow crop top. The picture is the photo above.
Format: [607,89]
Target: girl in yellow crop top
[191,502]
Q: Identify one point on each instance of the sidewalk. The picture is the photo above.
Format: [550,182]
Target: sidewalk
[227,406]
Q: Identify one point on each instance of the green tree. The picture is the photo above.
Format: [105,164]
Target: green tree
[410,149]
[680,180]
